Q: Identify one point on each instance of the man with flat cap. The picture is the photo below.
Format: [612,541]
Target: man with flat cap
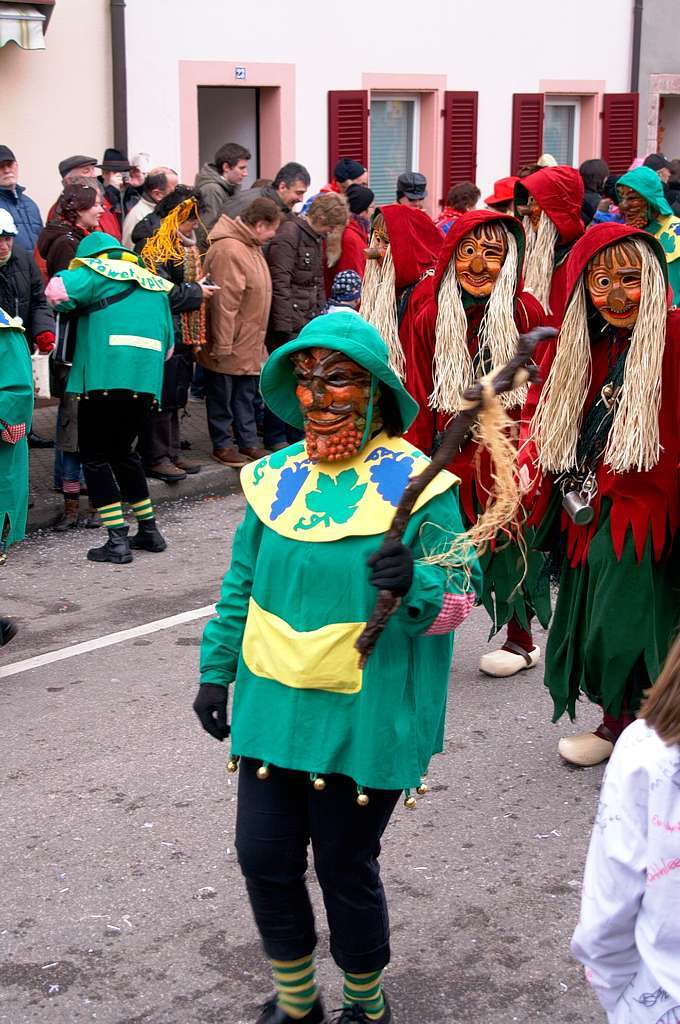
[412,189]
[13,198]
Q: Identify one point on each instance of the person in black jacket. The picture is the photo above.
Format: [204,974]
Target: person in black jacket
[593,173]
[22,294]
[166,239]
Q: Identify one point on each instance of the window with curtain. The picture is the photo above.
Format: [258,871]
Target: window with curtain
[560,131]
[393,127]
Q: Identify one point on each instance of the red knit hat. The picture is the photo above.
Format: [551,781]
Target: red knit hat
[503,191]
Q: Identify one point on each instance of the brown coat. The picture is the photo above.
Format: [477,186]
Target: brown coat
[295,258]
[238,313]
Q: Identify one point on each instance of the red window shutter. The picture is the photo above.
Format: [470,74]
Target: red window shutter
[347,127]
[619,130]
[527,129]
[460,138]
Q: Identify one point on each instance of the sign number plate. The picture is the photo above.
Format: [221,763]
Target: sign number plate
[240,74]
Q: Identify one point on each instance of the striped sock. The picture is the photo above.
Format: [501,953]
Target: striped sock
[112,515]
[296,986]
[143,509]
[366,990]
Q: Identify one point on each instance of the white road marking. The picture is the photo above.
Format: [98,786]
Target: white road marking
[105,641]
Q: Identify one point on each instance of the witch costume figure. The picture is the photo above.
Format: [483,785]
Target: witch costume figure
[402,254]
[466,321]
[16,410]
[326,747]
[602,463]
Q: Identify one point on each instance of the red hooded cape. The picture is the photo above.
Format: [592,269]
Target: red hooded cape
[414,241]
[418,340]
[647,502]
[559,193]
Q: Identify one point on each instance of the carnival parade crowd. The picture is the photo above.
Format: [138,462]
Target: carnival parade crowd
[337,347]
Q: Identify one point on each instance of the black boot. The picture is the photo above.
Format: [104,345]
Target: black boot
[148,537]
[8,631]
[273,1014]
[116,549]
[356,1014]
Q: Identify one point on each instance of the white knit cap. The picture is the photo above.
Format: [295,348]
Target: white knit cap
[7,225]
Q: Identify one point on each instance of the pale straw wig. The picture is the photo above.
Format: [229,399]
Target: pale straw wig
[453,370]
[540,258]
[633,442]
[379,307]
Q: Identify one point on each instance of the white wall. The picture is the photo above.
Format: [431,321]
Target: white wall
[57,102]
[525,42]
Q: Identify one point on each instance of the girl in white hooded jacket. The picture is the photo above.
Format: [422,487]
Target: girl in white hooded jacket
[628,936]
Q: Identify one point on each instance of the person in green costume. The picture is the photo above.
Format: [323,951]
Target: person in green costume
[325,747]
[604,436]
[124,335]
[644,205]
[16,411]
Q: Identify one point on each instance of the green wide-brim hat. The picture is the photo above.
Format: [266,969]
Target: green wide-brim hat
[345,332]
[647,182]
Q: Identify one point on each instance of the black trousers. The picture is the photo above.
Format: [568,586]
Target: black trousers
[276,820]
[159,436]
[108,426]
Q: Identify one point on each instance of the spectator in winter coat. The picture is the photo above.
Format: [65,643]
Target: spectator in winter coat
[160,182]
[594,174]
[21,289]
[295,258]
[412,189]
[461,197]
[22,209]
[172,253]
[287,190]
[220,181]
[237,325]
[79,211]
[347,172]
[354,237]
[120,193]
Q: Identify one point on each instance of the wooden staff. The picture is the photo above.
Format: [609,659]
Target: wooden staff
[513,375]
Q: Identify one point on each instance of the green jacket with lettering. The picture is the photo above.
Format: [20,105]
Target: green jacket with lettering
[16,411]
[124,345]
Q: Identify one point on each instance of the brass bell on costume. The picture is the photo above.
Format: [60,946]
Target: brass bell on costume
[422,789]
[362,799]
[263,772]
[410,802]
[232,765]
[319,783]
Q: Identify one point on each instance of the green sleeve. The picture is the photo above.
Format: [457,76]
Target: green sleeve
[431,532]
[82,287]
[221,644]
[674,280]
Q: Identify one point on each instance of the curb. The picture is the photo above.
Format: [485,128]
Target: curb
[212,480]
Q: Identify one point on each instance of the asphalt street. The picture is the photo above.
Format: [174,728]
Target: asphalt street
[122,901]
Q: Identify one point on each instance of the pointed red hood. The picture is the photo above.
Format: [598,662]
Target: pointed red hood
[468,222]
[414,240]
[598,237]
[559,192]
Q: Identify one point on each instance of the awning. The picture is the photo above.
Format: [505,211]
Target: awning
[23,24]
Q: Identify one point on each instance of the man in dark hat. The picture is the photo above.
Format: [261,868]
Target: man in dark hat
[347,172]
[412,189]
[22,209]
[121,195]
[78,166]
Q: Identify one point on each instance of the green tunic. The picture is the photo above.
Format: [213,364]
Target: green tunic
[296,598]
[124,345]
[16,409]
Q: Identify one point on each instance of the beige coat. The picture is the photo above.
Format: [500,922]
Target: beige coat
[238,313]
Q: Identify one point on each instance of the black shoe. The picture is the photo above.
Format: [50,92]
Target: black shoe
[273,1014]
[8,631]
[356,1014]
[36,441]
[116,549]
[148,537]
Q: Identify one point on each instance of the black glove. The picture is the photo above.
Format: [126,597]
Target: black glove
[211,707]
[392,568]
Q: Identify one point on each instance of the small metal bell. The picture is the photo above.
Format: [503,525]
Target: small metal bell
[422,789]
[263,772]
[319,783]
[410,802]
[362,799]
[232,765]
